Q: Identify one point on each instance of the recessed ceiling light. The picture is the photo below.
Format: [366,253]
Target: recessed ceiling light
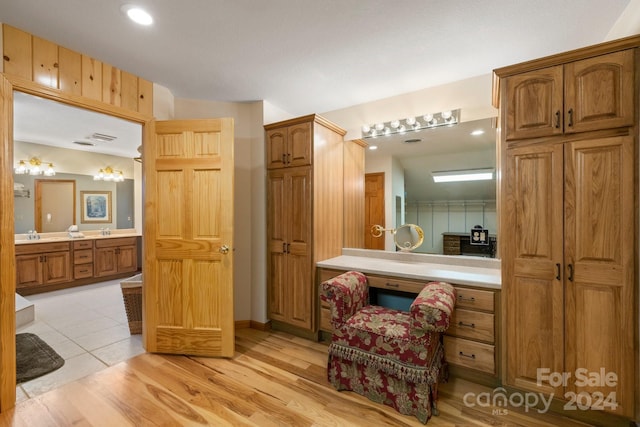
[373,147]
[477,132]
[137,14]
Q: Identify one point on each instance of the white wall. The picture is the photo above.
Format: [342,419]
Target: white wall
[248,140]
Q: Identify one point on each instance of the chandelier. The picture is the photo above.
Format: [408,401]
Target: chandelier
[35,166]
[109,174]
[411,124]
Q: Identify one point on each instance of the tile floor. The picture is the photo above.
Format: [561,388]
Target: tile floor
[87,326]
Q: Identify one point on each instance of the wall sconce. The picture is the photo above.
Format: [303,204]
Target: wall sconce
[411,124]
[34,166]
[109,174]
[463,175]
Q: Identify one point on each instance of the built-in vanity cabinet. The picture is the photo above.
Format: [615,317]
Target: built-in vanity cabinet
[578,96]
[115,256]
[42,264]
[47,266]
[305,191]
[471,341]
[569,223]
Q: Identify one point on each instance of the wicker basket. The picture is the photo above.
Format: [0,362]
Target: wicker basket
[132,296]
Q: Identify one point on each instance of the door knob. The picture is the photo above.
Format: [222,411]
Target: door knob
[224,249]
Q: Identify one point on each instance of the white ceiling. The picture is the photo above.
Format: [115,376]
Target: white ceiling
[309,56]
[314,56]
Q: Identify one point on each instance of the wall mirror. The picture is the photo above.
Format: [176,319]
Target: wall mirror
[79,143]
[409,161]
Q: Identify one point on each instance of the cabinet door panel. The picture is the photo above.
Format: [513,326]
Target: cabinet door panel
[300,290]
[277,196]
[28,270]
[276,148]
[534,297]
[534,103]
[599,229]
[105,262]
[57,267]
[299,150]
[595,95]
[127,259]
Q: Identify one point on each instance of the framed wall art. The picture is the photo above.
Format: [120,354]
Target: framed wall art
[95,207]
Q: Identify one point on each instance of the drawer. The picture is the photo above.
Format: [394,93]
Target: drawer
[475,299]
[82,256]
[82,271]
[85,244]
[326,274]
[34,248]
[470,354]
[472,324]
[325,319]
[109,242]
[403,285]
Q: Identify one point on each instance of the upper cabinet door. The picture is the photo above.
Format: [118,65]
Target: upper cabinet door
[300,137]
[594,92]
[276,148]
[289,146]
[534,103]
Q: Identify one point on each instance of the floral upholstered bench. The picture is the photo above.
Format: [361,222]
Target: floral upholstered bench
[390,356]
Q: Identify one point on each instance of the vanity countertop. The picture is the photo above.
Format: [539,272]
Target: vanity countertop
[21,239]
[462,270]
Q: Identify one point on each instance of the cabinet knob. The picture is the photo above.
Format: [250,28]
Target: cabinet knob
[224,249]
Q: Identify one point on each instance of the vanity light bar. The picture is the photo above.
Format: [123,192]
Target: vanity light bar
[463,175]
[411,124]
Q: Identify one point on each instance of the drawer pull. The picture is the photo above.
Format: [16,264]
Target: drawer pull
[84,271]
[84,256]
[393,285]
[470,356]
[463,298]
[467,325]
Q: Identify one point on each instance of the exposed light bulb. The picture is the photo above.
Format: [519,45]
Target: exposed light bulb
[428,117]
[411,121]
[395,124]
[446,115]
[379,126]
[366,128]
[387,131]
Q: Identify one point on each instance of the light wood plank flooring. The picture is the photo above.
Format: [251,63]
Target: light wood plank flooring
[275,379]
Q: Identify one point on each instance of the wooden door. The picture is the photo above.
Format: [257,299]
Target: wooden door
[290,279]
[300,280]
[599,285]
[188,230]
[373,209]
[595,92]
[533,105]
[277,235]
[532,267]
[7,243]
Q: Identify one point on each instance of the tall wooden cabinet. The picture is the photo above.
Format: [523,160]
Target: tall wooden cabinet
[569,225]
[305,204]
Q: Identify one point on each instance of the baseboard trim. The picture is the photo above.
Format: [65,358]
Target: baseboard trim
[246,324]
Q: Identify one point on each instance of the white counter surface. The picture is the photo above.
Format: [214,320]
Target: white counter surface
[462,270]
[21,239]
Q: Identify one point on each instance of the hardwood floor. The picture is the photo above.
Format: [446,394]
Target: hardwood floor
[275,379]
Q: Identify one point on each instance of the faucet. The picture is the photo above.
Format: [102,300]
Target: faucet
[33,235]
[105,231]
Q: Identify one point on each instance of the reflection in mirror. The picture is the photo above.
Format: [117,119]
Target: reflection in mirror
[407,237]
[55,205]
[26,204]
[74,140]
[409,160]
